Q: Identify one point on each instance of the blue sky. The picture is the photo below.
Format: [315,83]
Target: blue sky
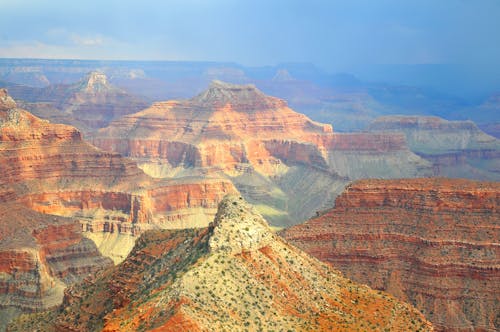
[331,34]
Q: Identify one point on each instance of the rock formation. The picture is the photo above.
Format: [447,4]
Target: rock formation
[49,171]
[88,104]
[39,256]
[273,155]
[234,275]
[49,168]
[455,148]
[431,242]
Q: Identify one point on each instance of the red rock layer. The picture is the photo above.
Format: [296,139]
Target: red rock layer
[431,242]
[234,275]
[220,127]
[49,168]
[39,254]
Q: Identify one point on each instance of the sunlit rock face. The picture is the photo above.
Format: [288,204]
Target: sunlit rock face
[233,275]
[280,160]
[430,242]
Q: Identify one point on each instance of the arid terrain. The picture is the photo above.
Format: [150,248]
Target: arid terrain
[433,243]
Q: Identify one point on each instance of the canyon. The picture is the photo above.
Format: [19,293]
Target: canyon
[280,160]
[57,192]
[431,242]
[236,274]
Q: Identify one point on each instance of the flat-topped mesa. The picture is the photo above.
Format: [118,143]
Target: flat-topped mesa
[245,98]
[455,148]
[432,242]
[6,102]
[422,122]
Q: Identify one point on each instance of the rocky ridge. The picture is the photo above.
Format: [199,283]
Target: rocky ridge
[234,275]
[433,243]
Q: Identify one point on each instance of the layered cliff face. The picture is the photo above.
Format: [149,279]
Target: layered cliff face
[455,148]
[260,144]
[39,256]
[49,168]
[88,104]
[430,242]
[234,275]
[48,171]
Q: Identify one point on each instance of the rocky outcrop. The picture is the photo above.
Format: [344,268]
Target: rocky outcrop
[260,144]
[455,148]
[430,242]
[234,275]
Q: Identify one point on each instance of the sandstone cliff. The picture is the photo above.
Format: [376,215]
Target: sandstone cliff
[430,242]
[455,148]
[274,155]
[234,275]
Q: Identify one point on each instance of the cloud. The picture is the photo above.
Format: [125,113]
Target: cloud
[87,41]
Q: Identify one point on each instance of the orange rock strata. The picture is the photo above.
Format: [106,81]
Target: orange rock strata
[431,242]
[234,275]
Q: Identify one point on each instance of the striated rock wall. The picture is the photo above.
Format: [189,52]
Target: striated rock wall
[238,133]
[236,274]
[431,242]
[39,256]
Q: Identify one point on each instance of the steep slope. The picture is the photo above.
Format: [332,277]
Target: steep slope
[455,148]
[235,275]
[265,148]
[431,242]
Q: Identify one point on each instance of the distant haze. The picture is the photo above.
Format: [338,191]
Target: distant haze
[347,35]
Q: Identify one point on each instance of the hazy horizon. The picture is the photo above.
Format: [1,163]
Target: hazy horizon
[363,37]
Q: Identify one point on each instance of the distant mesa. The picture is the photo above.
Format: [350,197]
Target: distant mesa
[88,104]
[282,75]
[455,148]
[94,82]
[432,242]
[234,275]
